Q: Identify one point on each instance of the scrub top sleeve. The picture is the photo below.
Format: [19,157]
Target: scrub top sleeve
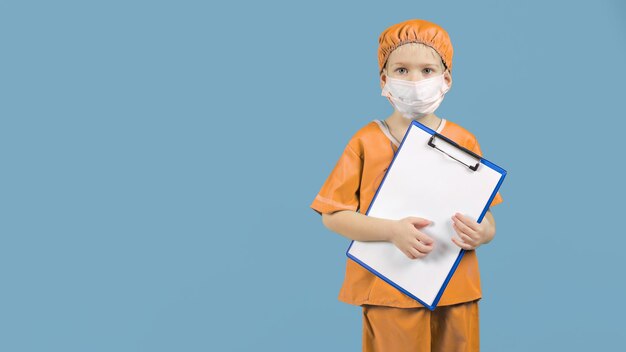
[497,199]
[341,189]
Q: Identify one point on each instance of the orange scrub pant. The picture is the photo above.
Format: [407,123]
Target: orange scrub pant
[447,328]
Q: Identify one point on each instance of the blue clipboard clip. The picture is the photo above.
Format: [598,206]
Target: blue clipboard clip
[431,143]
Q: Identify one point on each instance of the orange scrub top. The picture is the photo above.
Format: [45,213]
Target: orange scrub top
[352,185]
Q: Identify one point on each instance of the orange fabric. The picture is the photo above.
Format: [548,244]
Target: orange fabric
[415,31]
[352,185]
[446,329]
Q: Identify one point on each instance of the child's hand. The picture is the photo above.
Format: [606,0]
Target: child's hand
[412,242]
[470,233]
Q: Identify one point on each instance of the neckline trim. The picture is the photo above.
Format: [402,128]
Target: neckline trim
[385,130]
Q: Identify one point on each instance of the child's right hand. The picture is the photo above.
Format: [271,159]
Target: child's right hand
[412,242]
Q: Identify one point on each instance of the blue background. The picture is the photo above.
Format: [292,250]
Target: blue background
[159,159]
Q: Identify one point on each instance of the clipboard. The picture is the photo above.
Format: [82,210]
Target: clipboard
[431,177]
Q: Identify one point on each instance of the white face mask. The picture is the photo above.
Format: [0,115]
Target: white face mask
[415,99]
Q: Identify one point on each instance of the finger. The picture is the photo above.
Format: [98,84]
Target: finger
[467,221]
[461,244]
[415,253]
[424,238]
[464,228]
[421,247]
[464,237]
[406,252]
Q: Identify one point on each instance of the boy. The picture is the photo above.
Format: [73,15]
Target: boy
[415,62]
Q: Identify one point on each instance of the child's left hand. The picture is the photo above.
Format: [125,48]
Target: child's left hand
[470,233]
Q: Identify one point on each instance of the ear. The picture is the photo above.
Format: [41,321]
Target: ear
[447,77]
[383,79]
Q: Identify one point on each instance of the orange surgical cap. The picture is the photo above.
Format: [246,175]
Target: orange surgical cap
[414,31]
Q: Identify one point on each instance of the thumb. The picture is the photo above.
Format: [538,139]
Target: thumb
[419,222]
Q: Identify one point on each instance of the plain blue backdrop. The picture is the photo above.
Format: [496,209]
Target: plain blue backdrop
[159,159]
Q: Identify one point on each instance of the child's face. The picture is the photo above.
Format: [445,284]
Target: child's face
[414,62]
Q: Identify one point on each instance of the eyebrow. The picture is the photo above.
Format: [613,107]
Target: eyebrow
[406,64]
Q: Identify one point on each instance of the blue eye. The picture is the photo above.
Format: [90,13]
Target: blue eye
[429,69]
[400,68]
